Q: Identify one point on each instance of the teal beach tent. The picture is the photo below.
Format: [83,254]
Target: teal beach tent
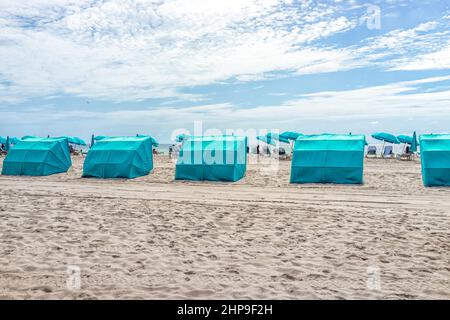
[328,158]
[38,157]
[435,157]
[213,158]
[119,157]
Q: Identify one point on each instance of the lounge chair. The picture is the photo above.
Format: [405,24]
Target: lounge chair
[371,152]
[387,152]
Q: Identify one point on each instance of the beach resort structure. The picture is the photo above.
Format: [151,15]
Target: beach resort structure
[328,158]
[38,157]
[119,157]
[435,157]
[214,158]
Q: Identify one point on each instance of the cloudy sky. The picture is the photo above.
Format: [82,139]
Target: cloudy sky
[121,67]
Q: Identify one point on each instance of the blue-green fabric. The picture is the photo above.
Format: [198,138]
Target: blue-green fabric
[414,143]
[38,157]
[386,137]
[435,157]
[214,158]
[328,158]
[119,157]
[267,140]
[277,137]
[290,135]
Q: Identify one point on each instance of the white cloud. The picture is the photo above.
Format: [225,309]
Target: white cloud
[135,50]
[360,109]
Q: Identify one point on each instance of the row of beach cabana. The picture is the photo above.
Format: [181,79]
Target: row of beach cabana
[323,158]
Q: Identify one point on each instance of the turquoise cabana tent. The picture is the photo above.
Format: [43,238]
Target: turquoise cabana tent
[38,157]
[435,157]
[119,157]
[328,158]
[214,158]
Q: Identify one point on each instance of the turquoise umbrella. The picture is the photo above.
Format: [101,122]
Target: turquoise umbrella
[266,140]
[405,139]
[98,138]
[276,136]
[290,135]
[386,137]
[414,143]
[7,144]
[2,140]
[81,142]
[181,137]
[15,140]
[28,137]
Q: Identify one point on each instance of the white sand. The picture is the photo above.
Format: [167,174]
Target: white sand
[260,238]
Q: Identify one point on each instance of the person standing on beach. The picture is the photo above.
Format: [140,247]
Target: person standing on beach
[257,150]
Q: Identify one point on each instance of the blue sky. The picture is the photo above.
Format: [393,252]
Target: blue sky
[152,66]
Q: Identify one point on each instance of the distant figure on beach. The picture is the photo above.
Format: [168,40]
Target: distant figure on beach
[171,151]
[248,149]
[257,150]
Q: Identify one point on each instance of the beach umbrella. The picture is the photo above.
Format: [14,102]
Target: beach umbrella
[98,138]
[277,137]
[28,137]
[385,137]
[267,140]
[2,140]
[290,135]
[414,143]
[405,139]
[14,140]
[81,142]
[7,144]
[181,137]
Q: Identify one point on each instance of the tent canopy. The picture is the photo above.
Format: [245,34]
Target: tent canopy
[435,157]
[214,158]
[154,142]
[328,158]
[119,157]
[38,157]
[74,140]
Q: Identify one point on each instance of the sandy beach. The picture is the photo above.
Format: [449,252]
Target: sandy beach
[259,238]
